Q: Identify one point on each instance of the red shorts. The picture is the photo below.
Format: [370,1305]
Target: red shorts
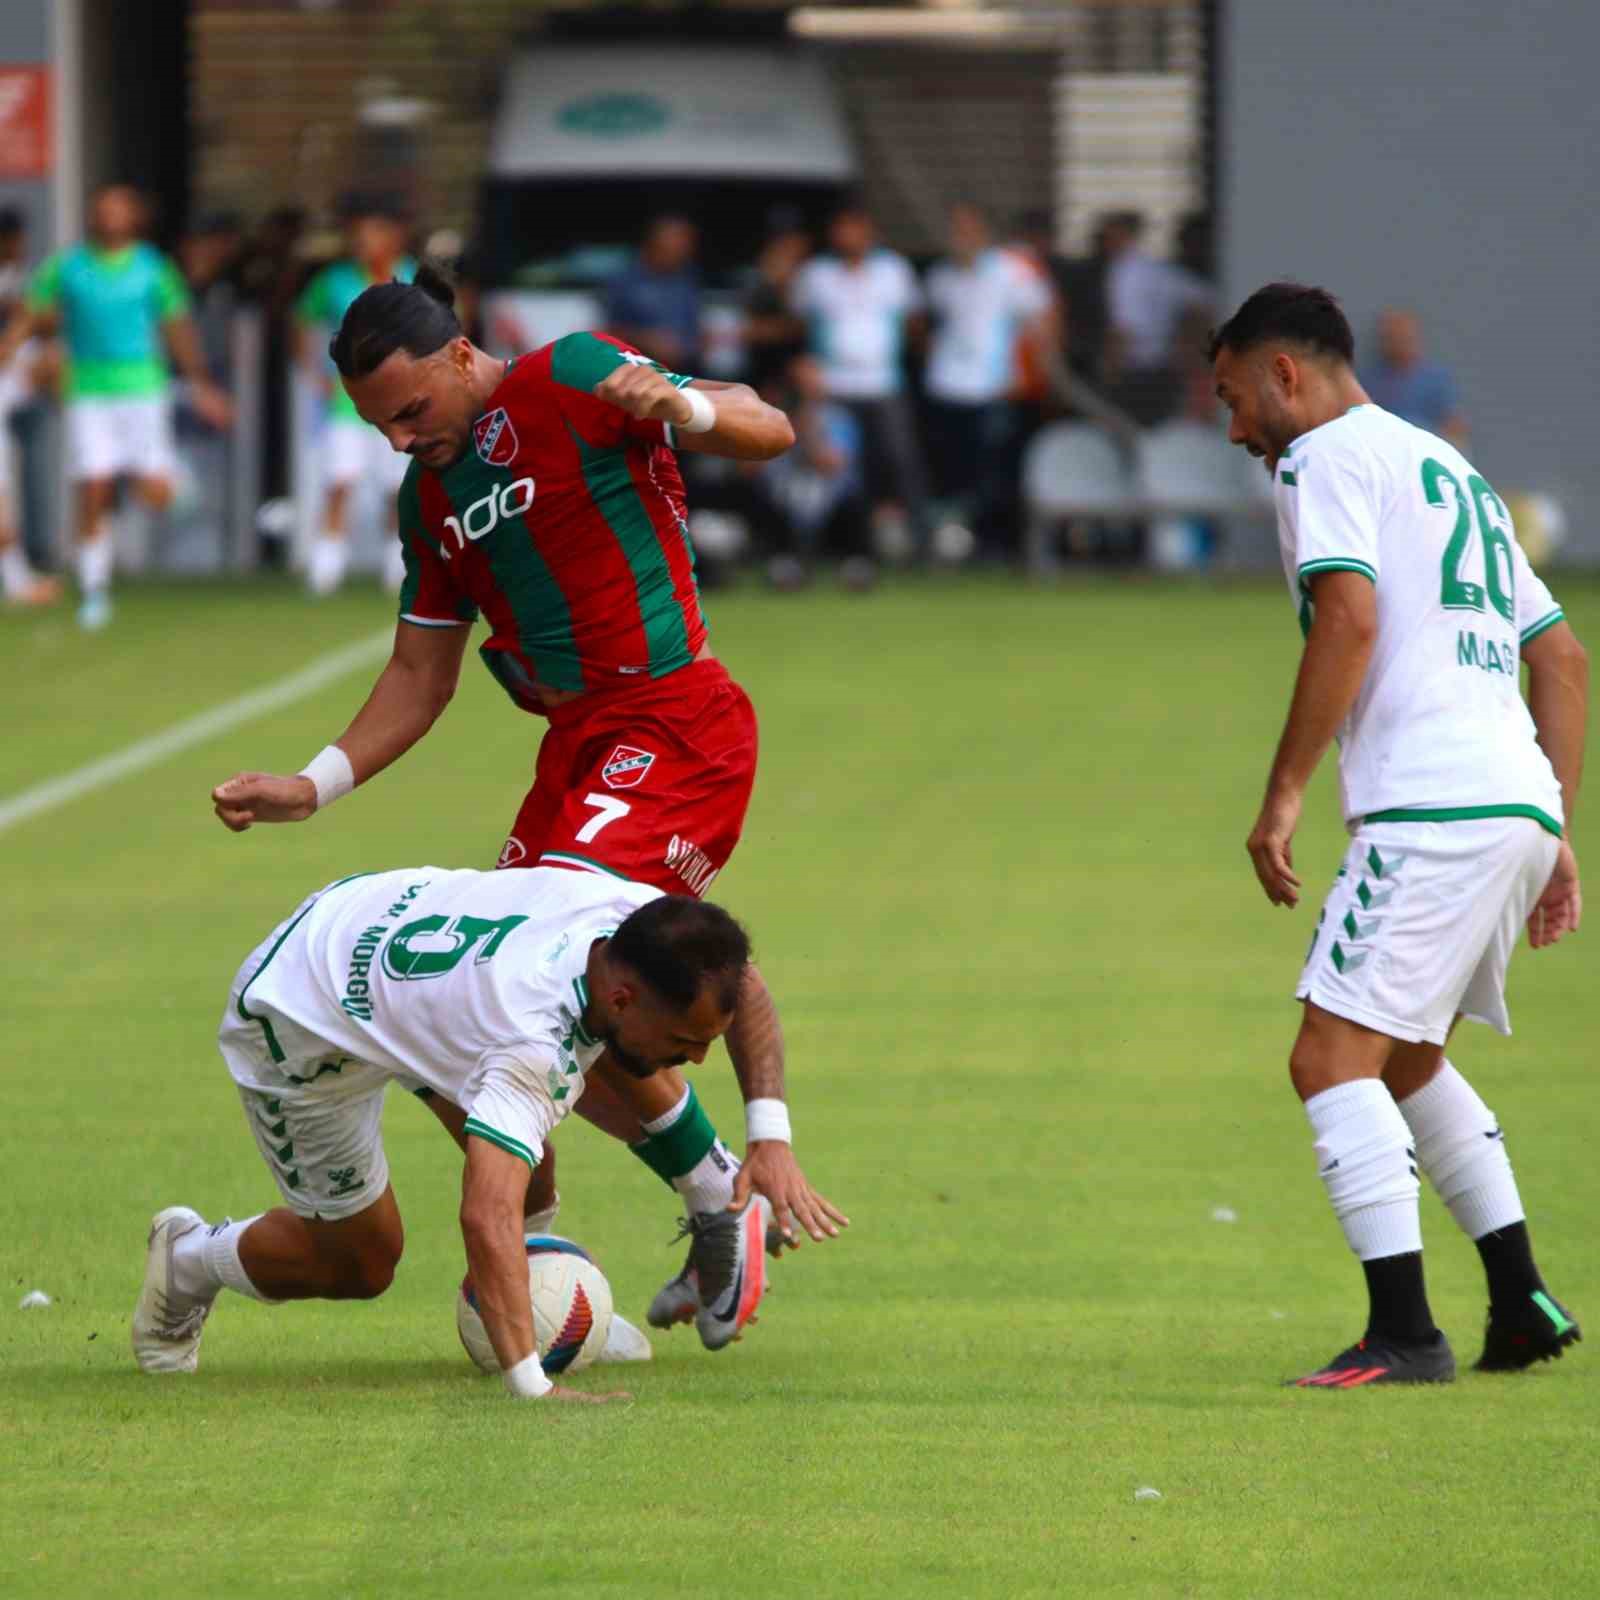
[650,781]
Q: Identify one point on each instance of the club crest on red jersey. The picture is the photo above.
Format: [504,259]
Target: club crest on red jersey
[495,438]
[625,767]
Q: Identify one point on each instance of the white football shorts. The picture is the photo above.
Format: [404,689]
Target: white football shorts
[1421,922]
[352,451]
[121,438]
[315,1112]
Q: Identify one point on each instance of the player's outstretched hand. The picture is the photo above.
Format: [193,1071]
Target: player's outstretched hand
[1271,847]
[644,393]
[261,797]
[771,1169]
[561,1392]
[1560,908]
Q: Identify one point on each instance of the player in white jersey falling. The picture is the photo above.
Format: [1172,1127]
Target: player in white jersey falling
[1417,606]
[496,991]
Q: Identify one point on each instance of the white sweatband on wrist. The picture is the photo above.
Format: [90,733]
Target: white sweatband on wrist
[526,1380]
[766,1119]
[703,415]
[331,773]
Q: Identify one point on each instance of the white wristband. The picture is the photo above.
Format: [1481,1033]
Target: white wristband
[331,773]
[526,1380]
[766,1119]
[703,416]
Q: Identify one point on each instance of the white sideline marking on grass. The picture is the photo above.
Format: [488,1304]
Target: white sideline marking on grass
[149,752]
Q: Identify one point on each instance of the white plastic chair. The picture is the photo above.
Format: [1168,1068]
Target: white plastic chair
[1070,469]
[1189,467]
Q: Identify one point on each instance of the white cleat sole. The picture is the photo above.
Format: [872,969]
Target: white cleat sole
[624,1342]
[158,1346]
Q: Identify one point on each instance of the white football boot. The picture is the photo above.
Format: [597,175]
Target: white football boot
[167,1325]
[624,1342]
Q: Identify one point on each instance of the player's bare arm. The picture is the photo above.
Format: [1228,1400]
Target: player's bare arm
[1558,701]
[755,1045]
[492,1189]
[23,325]
[745,428]
[209,400]
[412,690]
[1337,651]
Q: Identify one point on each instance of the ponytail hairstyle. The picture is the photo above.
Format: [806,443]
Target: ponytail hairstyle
[417,317]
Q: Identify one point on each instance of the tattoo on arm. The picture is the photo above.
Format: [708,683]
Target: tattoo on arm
[755,1041]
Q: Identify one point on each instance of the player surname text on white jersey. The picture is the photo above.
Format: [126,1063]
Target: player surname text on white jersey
[1440,723]
[427,972]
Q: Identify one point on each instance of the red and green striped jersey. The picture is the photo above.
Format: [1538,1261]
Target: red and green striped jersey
[563,526]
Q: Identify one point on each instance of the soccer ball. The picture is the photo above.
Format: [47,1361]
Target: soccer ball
[571,1308]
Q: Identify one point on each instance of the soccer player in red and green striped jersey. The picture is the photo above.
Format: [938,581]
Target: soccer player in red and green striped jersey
[544,496]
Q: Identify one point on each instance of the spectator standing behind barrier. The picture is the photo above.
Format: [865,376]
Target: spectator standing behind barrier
[1145,301]
[116,299]
[352,453]
[655,303]
[19,583]
[773,334]
[1420,391]
[981,301]
[858,300]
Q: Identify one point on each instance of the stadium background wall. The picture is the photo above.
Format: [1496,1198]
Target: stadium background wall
[1334,167]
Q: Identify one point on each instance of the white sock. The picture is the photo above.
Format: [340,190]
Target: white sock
[1462,1153]
[662,1123]
[95,558]
[325,563]
[207,1260]
[16,576]
[1365,1160]
[542,1221]
[708,1186]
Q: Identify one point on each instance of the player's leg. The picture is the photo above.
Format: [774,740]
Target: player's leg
[95,454]
[1366,1162]
[388,472]
[655,788]
[1461,1147]
[19,583]
[344,450]
[337,1236]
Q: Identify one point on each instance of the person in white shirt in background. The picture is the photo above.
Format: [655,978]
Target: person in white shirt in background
[1418,607]
[982,302]
[1145,301]
[860,301]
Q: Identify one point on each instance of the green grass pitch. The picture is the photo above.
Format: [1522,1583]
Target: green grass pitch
[1038,1019]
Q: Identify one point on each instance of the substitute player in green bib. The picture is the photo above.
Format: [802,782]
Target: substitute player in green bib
[544,495]
[1418,607]
[375,237]
[117,302]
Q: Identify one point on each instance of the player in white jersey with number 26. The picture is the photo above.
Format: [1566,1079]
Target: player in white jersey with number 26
[496,991]
[1418,607]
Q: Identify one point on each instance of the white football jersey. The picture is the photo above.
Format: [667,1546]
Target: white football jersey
[1439,730]
[468,983]
[980,310]
[857,319]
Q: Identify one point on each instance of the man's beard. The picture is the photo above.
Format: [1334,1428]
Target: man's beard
[634,1066]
